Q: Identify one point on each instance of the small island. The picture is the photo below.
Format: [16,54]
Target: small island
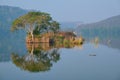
[41,28]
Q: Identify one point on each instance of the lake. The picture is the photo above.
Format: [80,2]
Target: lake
[95,59]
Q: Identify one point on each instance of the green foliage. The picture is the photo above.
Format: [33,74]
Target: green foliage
[36,22]
[55,26]
[60,39]
[36,31]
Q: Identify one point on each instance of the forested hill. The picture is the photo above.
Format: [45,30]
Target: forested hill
[7,45]
[108,27]
[105,30]
[109,22]
[8,14]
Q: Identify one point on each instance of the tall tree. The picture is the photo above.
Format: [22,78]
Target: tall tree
[55,26]
[32,22]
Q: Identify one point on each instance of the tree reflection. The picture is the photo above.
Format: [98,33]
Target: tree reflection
[40,56]
[36,60]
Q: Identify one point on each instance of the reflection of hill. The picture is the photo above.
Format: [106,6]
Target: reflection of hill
[110,42]
[4,57]
[113,43]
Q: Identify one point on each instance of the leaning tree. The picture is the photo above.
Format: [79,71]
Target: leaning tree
[35,22]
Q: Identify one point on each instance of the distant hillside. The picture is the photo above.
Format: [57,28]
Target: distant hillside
[7,15]
[110,22]
[69,26]
[106,31]
[107,27]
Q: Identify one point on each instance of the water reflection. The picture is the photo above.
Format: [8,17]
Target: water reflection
[40,57]
[95,41]
[110,42]
[47,46]
[36,59]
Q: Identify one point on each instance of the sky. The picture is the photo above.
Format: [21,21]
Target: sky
[86,11]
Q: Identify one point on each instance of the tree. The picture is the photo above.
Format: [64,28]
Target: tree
[33,22]
[55,26]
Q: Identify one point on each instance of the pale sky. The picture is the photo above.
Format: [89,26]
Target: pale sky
[71,10]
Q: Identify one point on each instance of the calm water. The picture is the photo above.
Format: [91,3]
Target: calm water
[96,59]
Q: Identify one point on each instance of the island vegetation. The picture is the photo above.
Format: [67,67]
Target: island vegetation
[40,27]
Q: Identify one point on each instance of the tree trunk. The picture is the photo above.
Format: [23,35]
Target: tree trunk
[32,36]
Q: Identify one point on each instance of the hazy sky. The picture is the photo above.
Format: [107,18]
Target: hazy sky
[71,10]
